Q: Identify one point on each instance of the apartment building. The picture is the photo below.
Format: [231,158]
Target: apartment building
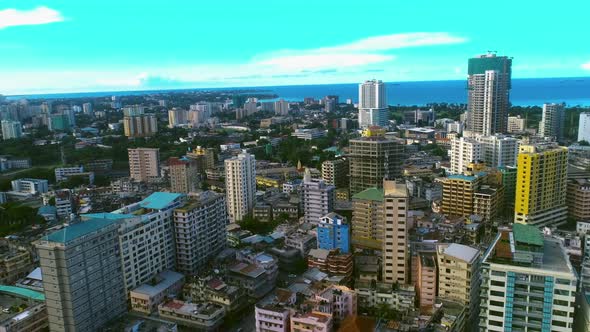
[396,201]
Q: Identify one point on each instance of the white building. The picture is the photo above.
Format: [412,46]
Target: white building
[62,173]
[199,226]
[32,186]
[146,236]
[64,203]
[552,121]
[177,117]
[318,198]
[455,126]
[516,124]
[240,185]
[11,129]
[281,107]
[308,134]
[584,127]
[463,152]
[499,150]
[527,283]
[372,104]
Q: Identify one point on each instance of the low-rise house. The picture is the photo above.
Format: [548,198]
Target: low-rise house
[147,297]
[204,316]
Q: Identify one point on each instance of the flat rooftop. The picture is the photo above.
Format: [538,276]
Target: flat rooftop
[75,231]
[159,200]
[166,279]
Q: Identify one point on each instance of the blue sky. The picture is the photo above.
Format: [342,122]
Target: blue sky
[87,45]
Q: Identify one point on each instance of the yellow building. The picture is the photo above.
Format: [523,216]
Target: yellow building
[541,185]
[374,131]
[459,193]
[367,219]
[263,181]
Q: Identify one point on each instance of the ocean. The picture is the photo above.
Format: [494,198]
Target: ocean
[525,92]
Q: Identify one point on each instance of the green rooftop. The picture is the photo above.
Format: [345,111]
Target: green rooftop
[22,292]
[527,234]
[370,194]
[75,231]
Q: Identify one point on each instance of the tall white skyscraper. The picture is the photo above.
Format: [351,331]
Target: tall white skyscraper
[372,104]
[240,185]
[551,125]
[463,152]
[584,127]
[488,94]
[499,150]
[318,198]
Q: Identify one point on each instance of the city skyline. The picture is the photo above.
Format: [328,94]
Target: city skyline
[71,47]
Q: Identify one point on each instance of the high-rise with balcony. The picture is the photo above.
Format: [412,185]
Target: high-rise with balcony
[240,185]
[318,198]
[488,94]
[373,158]
[82,275]
[199,227]
[541,185]
[396,202]
[183,175]
[138,124]
[498,150]
[552,121]
[527,283]
[144,164]
[464,151]
[335,172]
[372,104]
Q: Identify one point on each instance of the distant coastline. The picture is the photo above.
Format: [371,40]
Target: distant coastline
[525,92]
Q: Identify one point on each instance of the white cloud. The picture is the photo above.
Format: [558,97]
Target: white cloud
[395,41]
[323,61]
[39,15]
[586,66]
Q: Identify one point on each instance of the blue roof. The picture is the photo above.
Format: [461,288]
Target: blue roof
[22,292]
[47,209]
[74,231]
[159,200]
[466,177]
[107,215]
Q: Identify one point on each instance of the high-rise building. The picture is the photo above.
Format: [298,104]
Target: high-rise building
[396,202]
[373,158]
[541,185]
[527,283]
[199,114]
[183,175]
[367,219]
[318,198]
[176,117]
[200,231]
[584,127]
[11,129]
[552,121]
[205,158]
[335,172]
[144,164]
[458,277]
[498,150]
[87,108]
[140,125]
[489,84]
[240,185]
[334,233]
[82,276]
[281,107]
[578,199]
[372,104]
[509,183]
[516,124]
[464,151]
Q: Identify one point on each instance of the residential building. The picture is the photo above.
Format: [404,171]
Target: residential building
[199,226]
[334,233]
[459,193]
[488,202]
[488,93]
[509,183]
[378,294]
[240,185]
[584,127]
[11,129]
[144,164]
[541,185]
[426,280]
[177,117]
[332,263]
[146,298]
[143,125]
[458,276]
[318,198]
[82,275]
[578,199]
[281,107]
[15,263]
[396,202]
[336,300]
[213,289]
[205,158]
[256,273]
[87,109]
[146,236]
[64,203]
[33,186]
[372,104]
[310,321]
[308,134]
[272,317]
[24,310]
[62,173]
[516,124]
[183,175]
[464,151]
[552,121]
[335,172]
[301,241]
[368,219]
[202,316]
[499,150]
[374,158]
[527,283]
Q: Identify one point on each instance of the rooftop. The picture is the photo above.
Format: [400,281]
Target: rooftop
[22,292]
[462,252]
[167,279]
[527,234]
[371,194]
[107,215]
[75,231]
[201,308]
[159,200]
